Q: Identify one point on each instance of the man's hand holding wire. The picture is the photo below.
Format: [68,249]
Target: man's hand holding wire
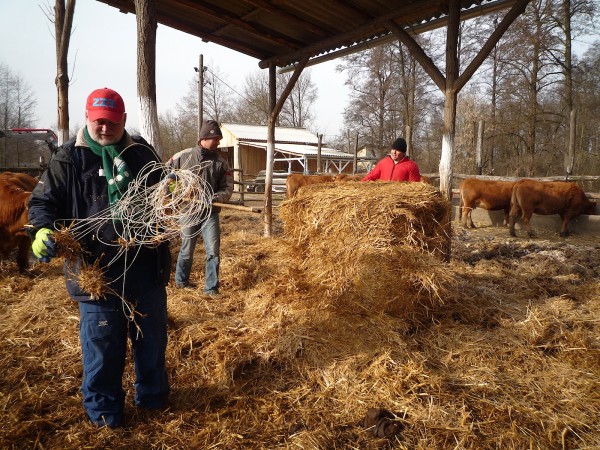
[43,245]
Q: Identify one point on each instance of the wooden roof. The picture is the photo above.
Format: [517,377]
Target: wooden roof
[282,32]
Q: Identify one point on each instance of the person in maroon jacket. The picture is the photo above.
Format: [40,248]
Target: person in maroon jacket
[396,166]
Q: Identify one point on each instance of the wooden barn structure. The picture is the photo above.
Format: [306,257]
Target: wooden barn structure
[294,34]
[296,150]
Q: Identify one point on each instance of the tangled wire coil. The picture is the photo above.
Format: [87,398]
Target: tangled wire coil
[149,214]
[152,214]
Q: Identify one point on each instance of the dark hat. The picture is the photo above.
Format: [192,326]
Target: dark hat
[210,129]
[399,144]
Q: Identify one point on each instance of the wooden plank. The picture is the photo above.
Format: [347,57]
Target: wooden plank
[250,209]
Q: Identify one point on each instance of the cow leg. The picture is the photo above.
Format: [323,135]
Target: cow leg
[470,223]
[514,213]
[505,222]
[512,219]
[23,254]
[511,226]
[564,230]
[463,217]
[525,219]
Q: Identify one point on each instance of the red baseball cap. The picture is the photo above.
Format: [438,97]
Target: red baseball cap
[105,104]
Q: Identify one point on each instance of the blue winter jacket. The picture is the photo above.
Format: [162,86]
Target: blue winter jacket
[73,187]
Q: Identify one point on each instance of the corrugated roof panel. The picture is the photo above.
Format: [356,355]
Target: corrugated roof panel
[244,132]
[283,32]
[304,150]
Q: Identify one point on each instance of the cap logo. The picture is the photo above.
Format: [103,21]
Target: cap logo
[99,101]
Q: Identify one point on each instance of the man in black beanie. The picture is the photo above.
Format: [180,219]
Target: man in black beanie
[396,166]
[218,175]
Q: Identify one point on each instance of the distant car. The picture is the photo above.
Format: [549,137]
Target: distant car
[258,183]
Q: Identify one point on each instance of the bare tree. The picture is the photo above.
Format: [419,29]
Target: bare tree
[572,18]
[297,108]
[375,96]
[253,108]
[390,94]
[587,96]
[177,132]
[534,72]
[17,110]
[218,96]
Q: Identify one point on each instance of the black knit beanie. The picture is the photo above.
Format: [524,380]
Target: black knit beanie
[209,130]
[399,144]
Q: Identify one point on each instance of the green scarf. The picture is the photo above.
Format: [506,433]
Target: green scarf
[118,176]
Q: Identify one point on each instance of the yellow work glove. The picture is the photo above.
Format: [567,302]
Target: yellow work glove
[43,245]
[171,182]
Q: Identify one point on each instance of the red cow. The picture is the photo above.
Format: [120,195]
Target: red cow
[486,194]
[296,180]
[15,189]
[564,198]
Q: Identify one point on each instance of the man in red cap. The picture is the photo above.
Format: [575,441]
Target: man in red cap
[83,180]
[396,166]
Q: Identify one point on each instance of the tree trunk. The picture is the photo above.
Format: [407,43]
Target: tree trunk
[493,106]
[479,147]
[63,22]
[570,153]
[145,12]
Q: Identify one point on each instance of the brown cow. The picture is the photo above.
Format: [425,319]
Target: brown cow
[20,180]
[296,180]
[349,177]
[487,194]
[564,198]
[15,189]
[426,180]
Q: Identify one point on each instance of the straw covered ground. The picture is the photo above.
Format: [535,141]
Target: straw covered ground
[346,330]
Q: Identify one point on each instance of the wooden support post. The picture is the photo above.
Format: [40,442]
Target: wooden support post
[479,147]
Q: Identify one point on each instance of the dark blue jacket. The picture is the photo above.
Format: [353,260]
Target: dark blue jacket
[72,188]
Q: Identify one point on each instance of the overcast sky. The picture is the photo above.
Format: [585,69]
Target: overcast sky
[103,53]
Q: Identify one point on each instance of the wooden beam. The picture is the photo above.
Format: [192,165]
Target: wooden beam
[273,9]
[222,15]
[250,209]
[343,39]
[517,9]
[419,54]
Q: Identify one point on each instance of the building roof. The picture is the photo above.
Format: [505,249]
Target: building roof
[304,150]
[293,141]
[259,133]
[283,32]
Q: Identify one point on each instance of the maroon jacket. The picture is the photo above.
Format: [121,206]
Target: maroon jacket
[404,170]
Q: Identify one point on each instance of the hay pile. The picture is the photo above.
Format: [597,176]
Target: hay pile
[508,356]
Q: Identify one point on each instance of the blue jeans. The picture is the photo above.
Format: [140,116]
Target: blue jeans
[103,331]
[211,235]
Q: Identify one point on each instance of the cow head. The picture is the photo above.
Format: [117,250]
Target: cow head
[590,208]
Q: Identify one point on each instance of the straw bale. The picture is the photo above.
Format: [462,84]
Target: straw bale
[370,245]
